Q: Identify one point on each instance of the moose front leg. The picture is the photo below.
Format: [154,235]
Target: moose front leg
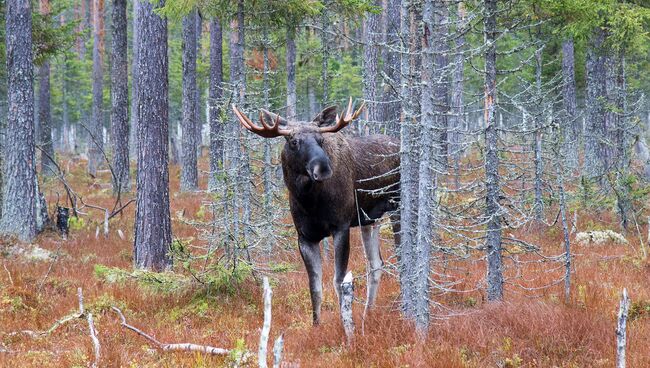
[310,252]
[341,256]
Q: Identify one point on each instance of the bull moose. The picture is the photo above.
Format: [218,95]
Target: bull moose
[335,182]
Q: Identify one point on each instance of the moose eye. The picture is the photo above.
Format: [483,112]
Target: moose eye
[293,143]
[320,141]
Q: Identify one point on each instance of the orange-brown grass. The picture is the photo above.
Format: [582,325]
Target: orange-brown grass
[529,329]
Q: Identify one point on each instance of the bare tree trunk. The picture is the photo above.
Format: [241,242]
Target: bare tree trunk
[291,73]
[152,224]
[216,90]
[537,149]
[19,205]
[189,171]
[456,119]
[392,77]
[408,168]
[492,208]
[96,142]
[433,110]
[120,99]
[371,28]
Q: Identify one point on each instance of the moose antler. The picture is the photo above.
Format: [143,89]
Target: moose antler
[345,120]
[266,131]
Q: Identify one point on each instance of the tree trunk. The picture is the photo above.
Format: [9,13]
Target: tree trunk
[216,90]
[537,149]
[573,131]
[134,84]
[492,208]
[291,73]
[408,169]
[325,53]
[96,143]
[45,121]
[152,223]
[19,205]
[392,78]
[198,123]
[370,59]
[456,119]
[595,149]
[120,99]
[189,171]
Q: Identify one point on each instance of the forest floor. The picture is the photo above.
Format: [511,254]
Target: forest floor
[531,328]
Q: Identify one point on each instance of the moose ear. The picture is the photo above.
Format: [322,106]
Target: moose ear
[326,117]
[270,118]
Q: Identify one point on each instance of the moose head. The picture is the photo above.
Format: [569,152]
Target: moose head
[304,139]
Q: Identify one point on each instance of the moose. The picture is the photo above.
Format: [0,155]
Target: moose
[335,182]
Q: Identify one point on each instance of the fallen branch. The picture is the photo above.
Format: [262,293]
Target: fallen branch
[170,347]
[91,328]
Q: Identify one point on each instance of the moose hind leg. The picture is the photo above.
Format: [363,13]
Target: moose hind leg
[341,257]
[310,253]
[370,237]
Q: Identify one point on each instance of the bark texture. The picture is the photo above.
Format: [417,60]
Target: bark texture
[96,141]
[45,120]
[392,77]
[291,73]
[19,205]
[119,99]
[408,167]
[44,110]
[216,91]
[573,129]
[152,223]
[371,34]
[189,171]
[492,208]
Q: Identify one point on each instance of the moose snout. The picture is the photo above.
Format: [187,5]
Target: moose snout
[319,170]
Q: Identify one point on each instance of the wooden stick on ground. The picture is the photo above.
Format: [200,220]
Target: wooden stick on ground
[277,351]
[347,297]
[621,328]
[171,347]
[266,328]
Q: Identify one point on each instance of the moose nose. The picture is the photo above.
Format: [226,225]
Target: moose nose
[321,172]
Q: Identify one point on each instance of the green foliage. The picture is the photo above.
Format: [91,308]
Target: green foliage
[164,282]
[76,223]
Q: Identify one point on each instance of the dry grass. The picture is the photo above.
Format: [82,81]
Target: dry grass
[530,329]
